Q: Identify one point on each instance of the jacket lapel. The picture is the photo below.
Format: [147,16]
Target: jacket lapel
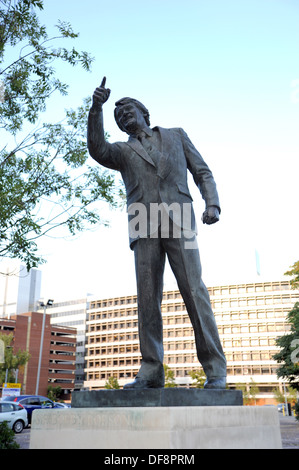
[164,163]
[138,148]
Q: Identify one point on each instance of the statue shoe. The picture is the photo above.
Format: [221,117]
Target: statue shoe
[139,383]
[215,383]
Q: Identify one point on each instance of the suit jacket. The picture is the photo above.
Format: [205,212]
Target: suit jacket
[147,182]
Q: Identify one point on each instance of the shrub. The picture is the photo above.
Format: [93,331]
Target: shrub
[7,437]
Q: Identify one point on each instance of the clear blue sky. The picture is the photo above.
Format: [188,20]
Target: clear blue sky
[228,73]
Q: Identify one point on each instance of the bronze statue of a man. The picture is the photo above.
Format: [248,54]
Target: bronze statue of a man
[153,164]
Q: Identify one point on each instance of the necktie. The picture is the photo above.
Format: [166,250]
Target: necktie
[150,148]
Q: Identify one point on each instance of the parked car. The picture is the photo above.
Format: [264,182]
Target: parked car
[31,403]
[61,405]
[280,407]
[285,408]
[14,414]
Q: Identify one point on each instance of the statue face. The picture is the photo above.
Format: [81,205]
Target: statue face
[130,119]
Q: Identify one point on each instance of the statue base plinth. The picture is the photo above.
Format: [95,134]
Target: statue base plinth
[156,397]
[150,426]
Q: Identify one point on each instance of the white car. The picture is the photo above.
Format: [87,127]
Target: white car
[15,415]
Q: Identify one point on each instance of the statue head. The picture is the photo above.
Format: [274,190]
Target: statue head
[131,115]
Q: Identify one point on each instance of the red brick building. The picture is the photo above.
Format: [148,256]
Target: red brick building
[58,355]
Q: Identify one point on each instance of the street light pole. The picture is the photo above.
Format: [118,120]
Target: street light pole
[50,302]
[285,399]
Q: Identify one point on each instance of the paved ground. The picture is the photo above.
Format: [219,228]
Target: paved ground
[23,439]
[289,428]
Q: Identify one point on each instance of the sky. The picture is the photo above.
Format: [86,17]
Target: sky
[228,74]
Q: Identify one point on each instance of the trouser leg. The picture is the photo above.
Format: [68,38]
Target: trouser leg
[186,267]
[149,265]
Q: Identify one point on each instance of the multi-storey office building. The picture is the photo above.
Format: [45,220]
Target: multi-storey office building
[19,289]
[249,317]
[57,367]
[72,313]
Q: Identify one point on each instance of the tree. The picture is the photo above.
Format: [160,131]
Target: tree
[45,181]
[294,271]
[253,390]
[112,383]
[245,392]
[288,356]
[291,396]
[54,393]
[12,361]
[249,391]
[169,377]
[199,378]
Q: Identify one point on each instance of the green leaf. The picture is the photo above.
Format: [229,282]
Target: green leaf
[46,184]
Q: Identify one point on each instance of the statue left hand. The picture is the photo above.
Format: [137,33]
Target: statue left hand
[210,215]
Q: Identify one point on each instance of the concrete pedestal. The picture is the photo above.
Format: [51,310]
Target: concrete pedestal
[156,427]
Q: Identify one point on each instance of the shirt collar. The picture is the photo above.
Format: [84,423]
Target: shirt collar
[146,130]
